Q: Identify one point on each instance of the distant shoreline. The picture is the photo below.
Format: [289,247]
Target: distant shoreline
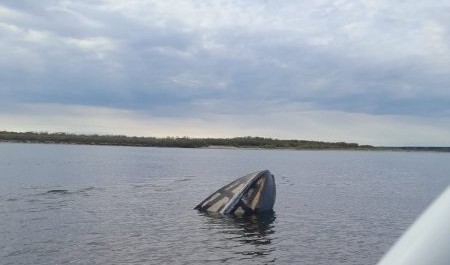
[374,149]
[253,143]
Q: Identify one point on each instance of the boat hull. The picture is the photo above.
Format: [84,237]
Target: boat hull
[249,194]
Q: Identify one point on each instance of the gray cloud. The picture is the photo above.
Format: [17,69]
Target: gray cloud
[174,58]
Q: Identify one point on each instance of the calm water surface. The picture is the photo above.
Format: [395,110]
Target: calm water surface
[66,204]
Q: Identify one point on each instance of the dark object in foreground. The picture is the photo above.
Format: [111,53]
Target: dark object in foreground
[250,194]
[58,191]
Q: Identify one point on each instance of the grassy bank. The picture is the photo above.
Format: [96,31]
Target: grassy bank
[184,142]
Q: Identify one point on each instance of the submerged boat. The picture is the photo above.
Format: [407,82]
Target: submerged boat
[249,194]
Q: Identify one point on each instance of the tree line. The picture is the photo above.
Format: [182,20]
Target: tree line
[184,142]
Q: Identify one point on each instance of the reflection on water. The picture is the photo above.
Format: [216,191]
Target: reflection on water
[253,233]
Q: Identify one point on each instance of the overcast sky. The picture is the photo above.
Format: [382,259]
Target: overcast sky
[371,72]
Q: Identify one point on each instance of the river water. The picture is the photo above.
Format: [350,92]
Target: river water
[73,204]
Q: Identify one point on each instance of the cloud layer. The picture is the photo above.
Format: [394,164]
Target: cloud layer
[267,64]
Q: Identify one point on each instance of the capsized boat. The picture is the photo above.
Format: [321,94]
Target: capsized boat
[249,194]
